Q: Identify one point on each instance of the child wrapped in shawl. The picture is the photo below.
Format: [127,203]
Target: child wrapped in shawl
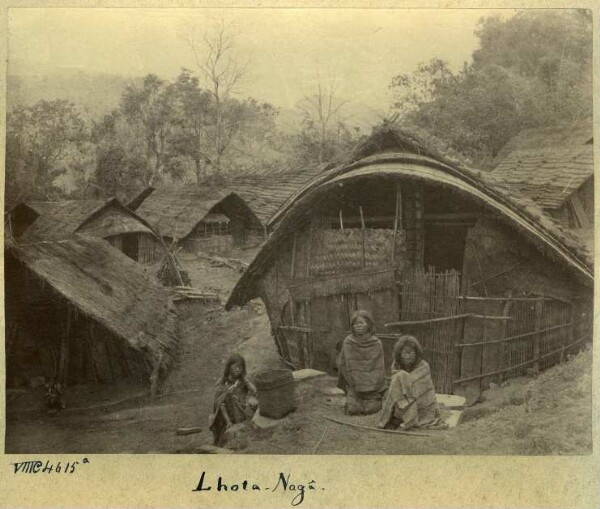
[235,399]
[410,401]
[361,367]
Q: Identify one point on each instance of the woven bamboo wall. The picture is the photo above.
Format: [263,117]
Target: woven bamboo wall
[352,250]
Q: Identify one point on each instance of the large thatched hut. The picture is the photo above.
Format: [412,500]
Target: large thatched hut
[199,219]
[489,284]
[35,221]
[81,311]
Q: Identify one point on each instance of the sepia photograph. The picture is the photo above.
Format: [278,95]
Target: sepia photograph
[299,232]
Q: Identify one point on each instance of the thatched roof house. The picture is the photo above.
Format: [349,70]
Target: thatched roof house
[265,194]
[35,221]
[200,219]
[82,311]
[488,282]
[560,180]
[566,135]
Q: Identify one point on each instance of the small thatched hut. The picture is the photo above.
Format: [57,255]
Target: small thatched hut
[81,311]
[34,221]
[200,220]
[488,283]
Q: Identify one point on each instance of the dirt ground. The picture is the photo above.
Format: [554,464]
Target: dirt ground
[550,414]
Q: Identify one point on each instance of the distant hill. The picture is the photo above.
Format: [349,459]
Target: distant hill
[96,94]
[93,94]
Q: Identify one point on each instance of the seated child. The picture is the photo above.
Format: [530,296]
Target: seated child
[361,367]
[53,398]
[235,399]
[410,401]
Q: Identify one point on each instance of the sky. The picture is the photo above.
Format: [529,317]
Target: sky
[285,49]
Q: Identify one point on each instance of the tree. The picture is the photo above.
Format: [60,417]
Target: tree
[121,166]
[531,70]
[322,113]
[38,138]
[221,72]
[150,106]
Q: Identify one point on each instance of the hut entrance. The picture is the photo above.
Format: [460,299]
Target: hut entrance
[131,245]
[317,315]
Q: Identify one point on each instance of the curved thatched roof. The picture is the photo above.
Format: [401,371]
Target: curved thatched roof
[106,285]
[390,152]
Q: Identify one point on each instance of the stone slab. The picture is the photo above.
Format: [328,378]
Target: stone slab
[264,422]
[332,391]
[213,449]
[303,374]
[451,400]
[453,419]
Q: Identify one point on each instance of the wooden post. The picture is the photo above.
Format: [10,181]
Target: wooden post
[309,250]
[341,221]
[63,365]
[539,309]
[397,219]
[293,267]
[362,224]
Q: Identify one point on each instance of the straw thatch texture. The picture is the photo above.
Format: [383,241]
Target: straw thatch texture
[566,135]
[174,212]
[113,221]
[549,175]
[265,194]
[59,220]
[108,287]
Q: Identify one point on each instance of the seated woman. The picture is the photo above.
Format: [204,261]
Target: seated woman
[410,401]
[235,399]
[361,367]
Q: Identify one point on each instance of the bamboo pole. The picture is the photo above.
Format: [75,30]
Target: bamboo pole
[397,217]
[397,432]
[539,309]
[446,318]
[523,364]
[292,268]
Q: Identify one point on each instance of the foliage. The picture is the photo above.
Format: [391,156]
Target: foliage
[39,139]
[531,70]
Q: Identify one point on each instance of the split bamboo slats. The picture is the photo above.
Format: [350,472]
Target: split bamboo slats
[426,296]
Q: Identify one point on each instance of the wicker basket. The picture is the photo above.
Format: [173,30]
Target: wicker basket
[276,393]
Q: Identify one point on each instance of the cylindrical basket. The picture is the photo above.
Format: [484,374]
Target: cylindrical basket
[276,393]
